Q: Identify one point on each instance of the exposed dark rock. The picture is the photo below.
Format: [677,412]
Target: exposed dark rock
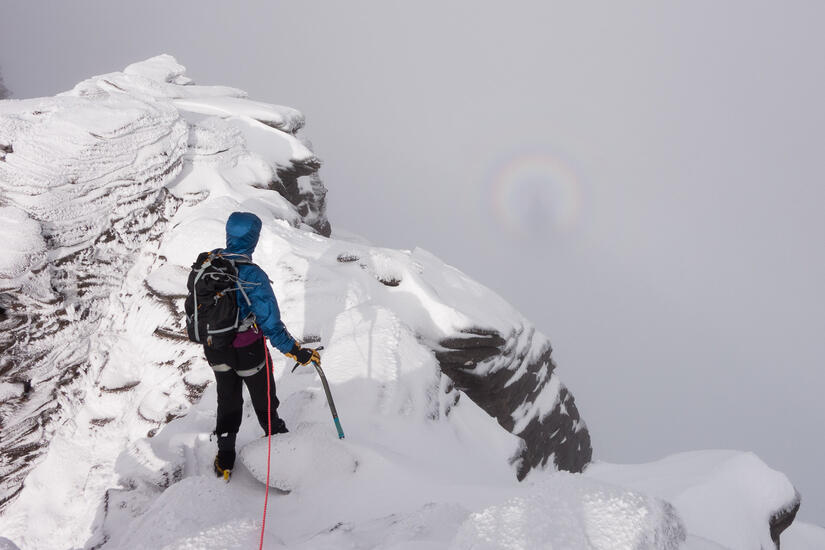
[783,519]
[389,281]
[120,389]
[100,421]
[486,366]
[179,336]
[309,199]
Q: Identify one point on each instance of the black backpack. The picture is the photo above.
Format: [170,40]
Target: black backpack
[211,308]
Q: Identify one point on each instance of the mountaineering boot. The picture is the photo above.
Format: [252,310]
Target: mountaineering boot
[279,426]
[225,473]
[225,459]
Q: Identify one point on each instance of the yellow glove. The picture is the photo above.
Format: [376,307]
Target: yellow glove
[304,356]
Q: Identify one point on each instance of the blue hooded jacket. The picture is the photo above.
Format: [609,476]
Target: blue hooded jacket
[242,232]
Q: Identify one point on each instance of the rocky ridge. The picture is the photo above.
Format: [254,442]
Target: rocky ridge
[83,176]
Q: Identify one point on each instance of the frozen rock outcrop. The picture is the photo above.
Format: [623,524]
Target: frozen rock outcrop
[514,380]
[82,182]
[83,192]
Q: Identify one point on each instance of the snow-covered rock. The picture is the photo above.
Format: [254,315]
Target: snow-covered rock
[571,511]
[304,457]
[728,497]
[83,191]
[25,248]
[83,181]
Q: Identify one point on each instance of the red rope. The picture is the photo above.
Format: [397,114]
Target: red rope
[268,439]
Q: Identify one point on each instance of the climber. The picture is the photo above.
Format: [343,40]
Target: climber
[246,358]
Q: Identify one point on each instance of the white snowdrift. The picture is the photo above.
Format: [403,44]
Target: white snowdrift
[79,160]
[803,536]
[305,457]
[572,511]
[24,248]
[200,513]
[283,118]
[725,496]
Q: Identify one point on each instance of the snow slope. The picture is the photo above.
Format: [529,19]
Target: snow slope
[803,536]
[448,396]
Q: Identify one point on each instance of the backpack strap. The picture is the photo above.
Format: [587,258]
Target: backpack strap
[243,292]
[235,260]
[203,267]
[238,259]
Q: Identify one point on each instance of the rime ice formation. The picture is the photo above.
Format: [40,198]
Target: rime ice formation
[82,181]
[729,497]
[83,192]
[567,511]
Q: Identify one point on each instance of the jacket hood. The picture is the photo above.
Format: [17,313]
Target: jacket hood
[242,232]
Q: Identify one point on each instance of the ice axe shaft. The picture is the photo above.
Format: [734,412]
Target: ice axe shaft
[330,401]
[329,395]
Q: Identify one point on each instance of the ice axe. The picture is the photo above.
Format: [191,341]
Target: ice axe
[317,365]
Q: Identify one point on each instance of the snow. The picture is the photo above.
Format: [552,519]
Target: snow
[351,486]
[305,457]
[25,249]
[168,280]
[367,491]
[803,536]
[283,118]
[77,160]
[724,496]
[182,517]
[161,68]
[570,511]
[158,77]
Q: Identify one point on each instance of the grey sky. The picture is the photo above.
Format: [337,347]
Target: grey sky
[677,150]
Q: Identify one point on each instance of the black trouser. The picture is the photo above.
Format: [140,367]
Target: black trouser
[230,391]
